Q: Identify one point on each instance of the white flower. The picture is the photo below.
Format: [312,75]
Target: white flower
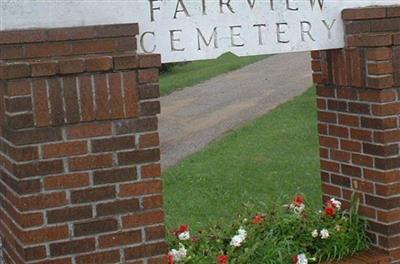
[324,234]
[242,233]
[315,233]
[180,254]
[184,235]
[336,203]
[302,259]
[338,228]
[238,239]
[299,209]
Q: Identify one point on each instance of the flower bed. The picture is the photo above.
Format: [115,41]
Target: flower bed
[294,234]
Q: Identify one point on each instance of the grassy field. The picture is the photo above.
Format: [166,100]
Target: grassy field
[185,75]
[267,161]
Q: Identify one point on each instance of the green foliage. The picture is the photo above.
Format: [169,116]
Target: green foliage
[281,235]
[180,75]
[267,160]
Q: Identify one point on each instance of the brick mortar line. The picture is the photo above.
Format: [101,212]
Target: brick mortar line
[18,113]
[362,167]
[71,223]
[378,76]
[68,126]
[100,250]
[368,61]
[78,172]
[358,179]
[355,140]
[371,104]
[20,230]
[357,153]
[78,95]
[41,147]
[29,211]
[362,129]
[68,140]
[108,94]
[347,176]
[49,102]
[122,86]
[363,154]
[11,97]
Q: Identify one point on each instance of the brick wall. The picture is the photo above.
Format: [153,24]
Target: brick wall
[80,172]
[358,90]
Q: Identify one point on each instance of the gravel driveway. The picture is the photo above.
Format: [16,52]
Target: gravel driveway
[193,117]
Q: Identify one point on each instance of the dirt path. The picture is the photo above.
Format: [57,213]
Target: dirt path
[193,117]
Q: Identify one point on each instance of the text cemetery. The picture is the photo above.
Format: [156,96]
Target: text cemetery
[261,33]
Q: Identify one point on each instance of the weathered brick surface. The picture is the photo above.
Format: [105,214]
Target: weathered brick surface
[79,147]
[358,99]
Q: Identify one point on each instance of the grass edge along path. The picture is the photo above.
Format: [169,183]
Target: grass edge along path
[189,74]
[266,161]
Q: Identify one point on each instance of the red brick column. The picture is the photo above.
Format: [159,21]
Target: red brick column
[358,101]
[80,172]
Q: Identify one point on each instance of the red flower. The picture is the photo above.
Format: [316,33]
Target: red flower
[298,200]
[170,259]
[295,259]
[183,228]
[222,259]
[330,211]
[258,219]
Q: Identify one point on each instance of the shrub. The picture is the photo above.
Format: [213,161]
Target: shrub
[289,234]
[167,67]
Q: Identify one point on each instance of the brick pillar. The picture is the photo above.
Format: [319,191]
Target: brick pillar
[358,90]
[80,172]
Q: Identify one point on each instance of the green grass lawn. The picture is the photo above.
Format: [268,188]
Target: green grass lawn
[267,161]
[185,75]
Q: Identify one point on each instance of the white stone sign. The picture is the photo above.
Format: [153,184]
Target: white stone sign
[184,30]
